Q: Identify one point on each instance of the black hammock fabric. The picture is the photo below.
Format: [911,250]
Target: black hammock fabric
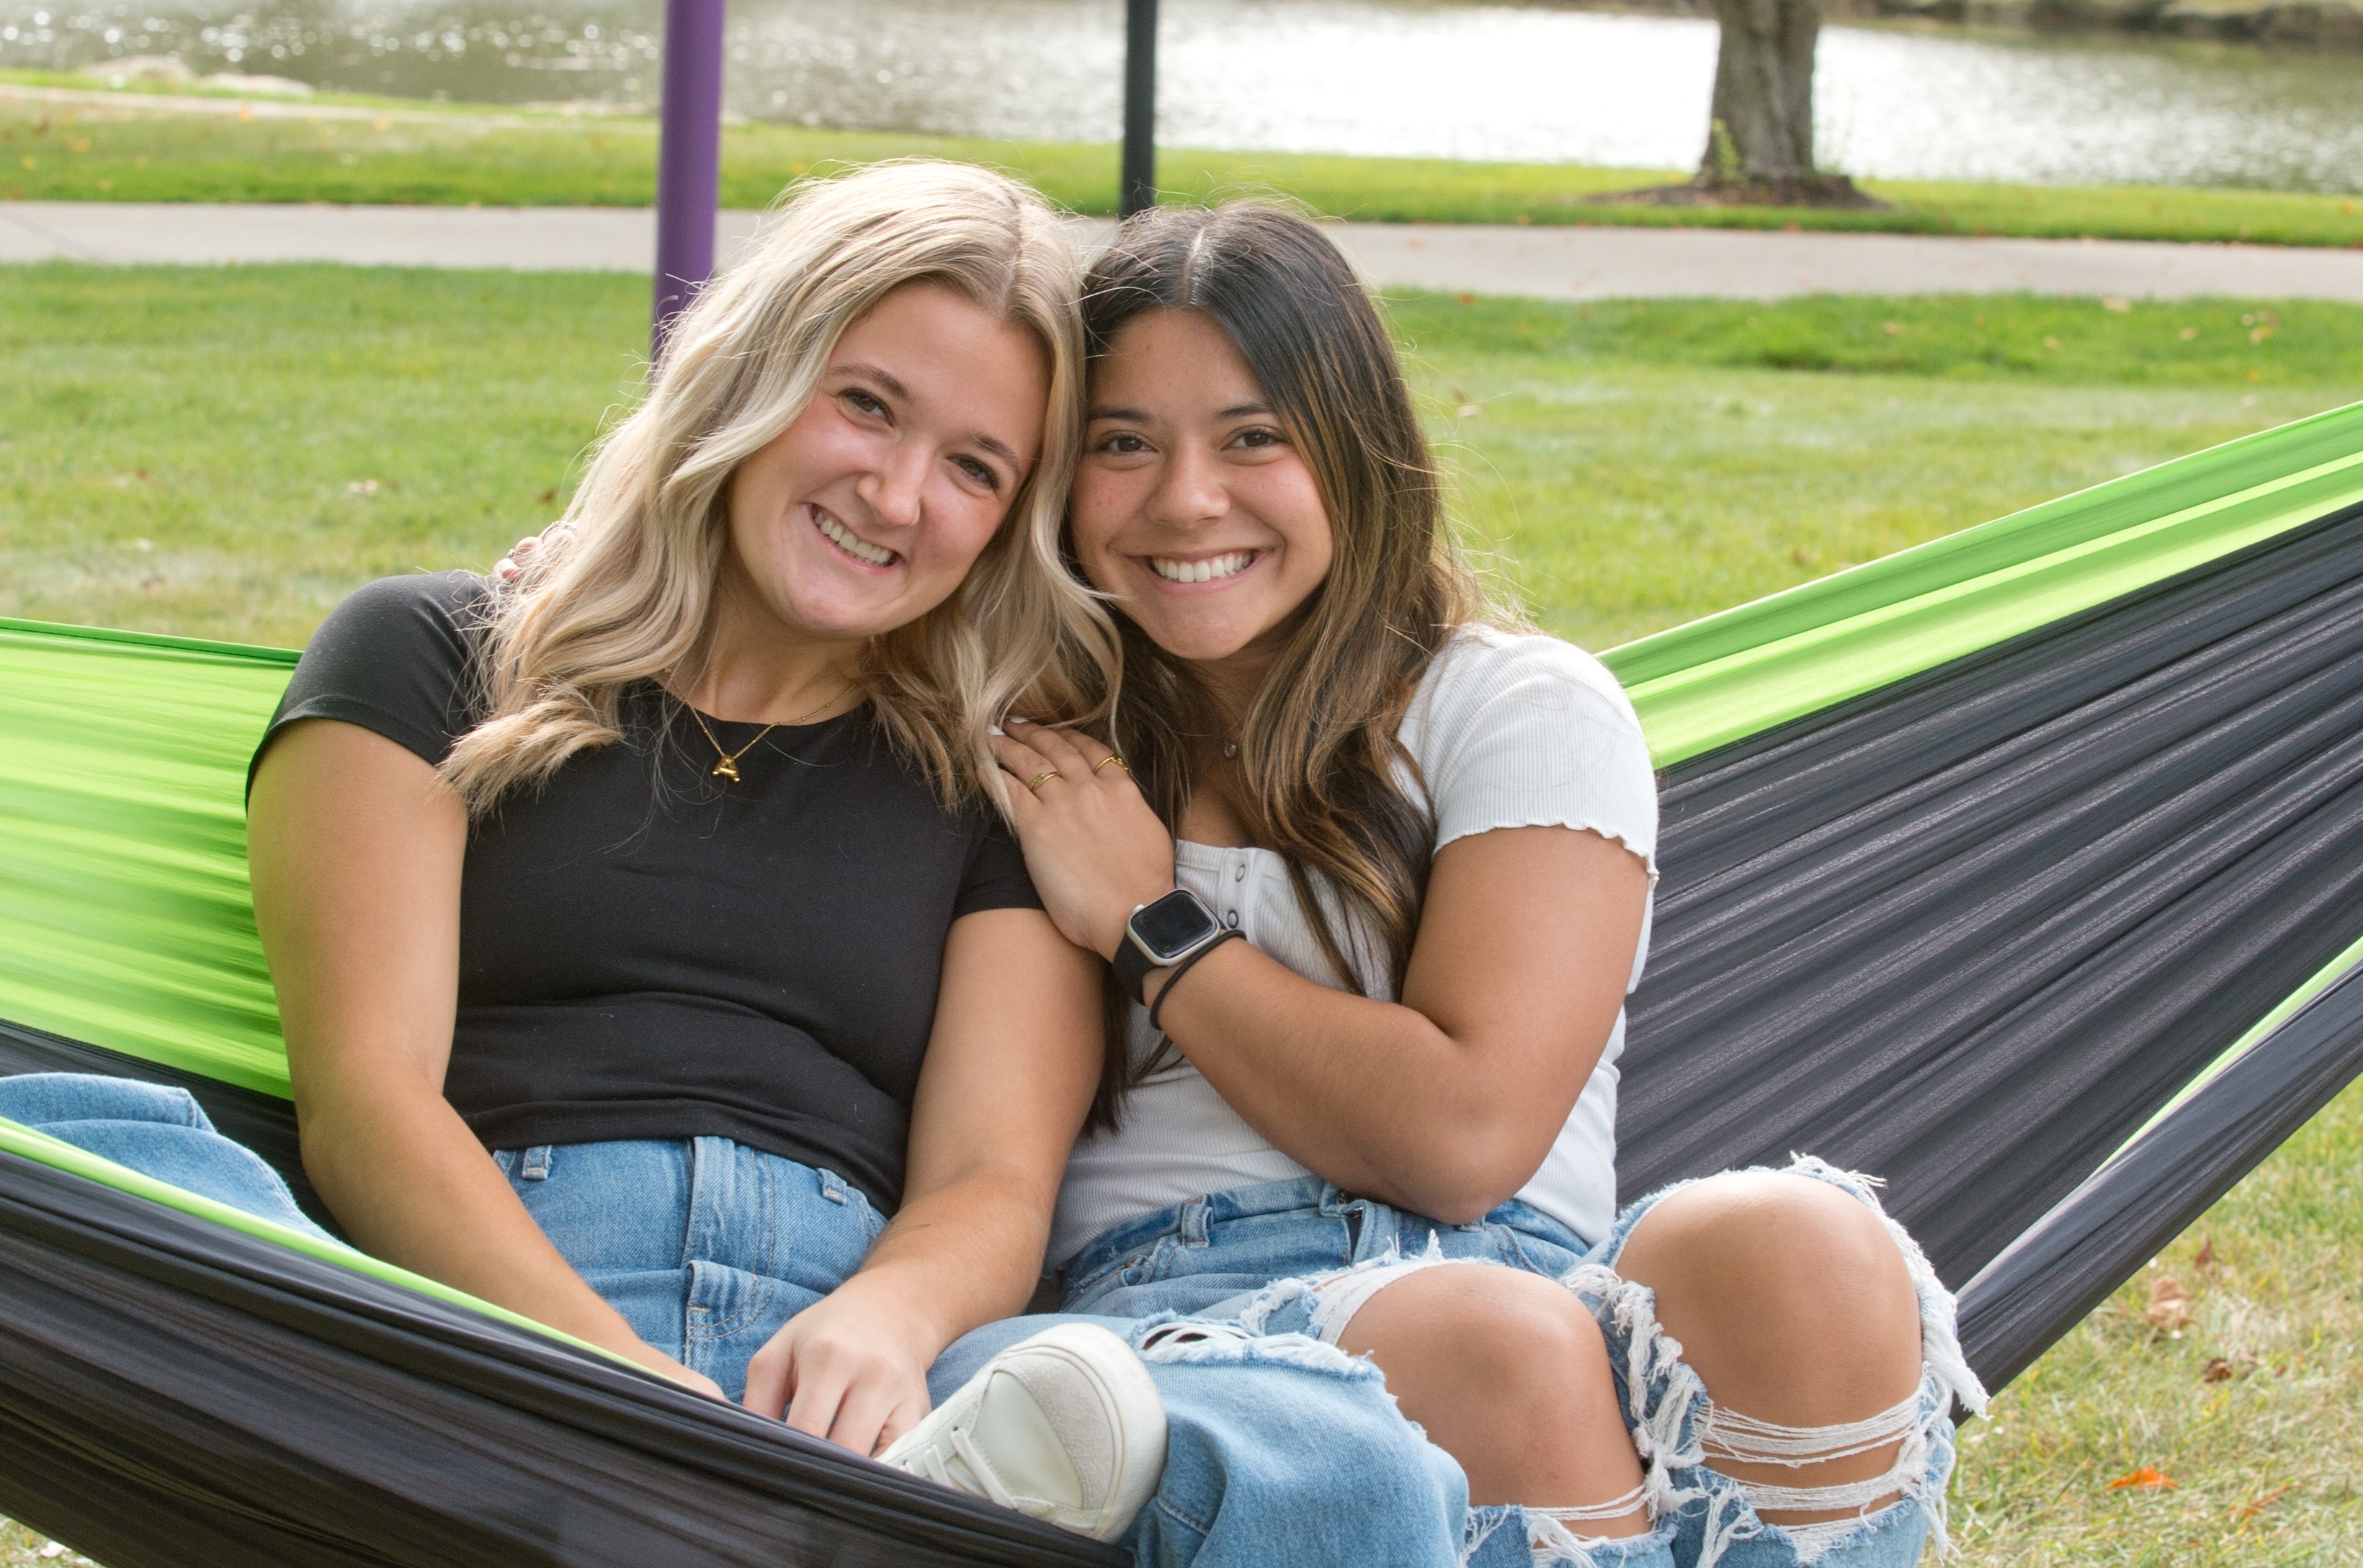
[1971,932]
[2084,1249]
[179,1394]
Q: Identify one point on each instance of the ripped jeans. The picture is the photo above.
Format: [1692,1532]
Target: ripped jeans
[1266,1277]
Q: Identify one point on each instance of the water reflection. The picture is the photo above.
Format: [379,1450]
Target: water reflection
[1377,76]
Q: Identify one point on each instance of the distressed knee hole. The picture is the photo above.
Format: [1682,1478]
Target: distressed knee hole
[1731,1437]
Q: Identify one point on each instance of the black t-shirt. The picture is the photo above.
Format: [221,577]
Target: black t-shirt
[649,951]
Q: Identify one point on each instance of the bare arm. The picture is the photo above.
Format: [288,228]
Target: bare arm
[355,848]
[1010,1070]
[1444,1103]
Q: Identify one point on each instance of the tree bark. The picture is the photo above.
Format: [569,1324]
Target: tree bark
[1762,129]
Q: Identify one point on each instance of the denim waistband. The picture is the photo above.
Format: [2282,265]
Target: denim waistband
[1296,1193]
[1238,1203]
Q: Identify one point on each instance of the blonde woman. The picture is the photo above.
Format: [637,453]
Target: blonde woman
[650,960]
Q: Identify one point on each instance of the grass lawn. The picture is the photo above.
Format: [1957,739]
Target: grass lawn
[125,149]
[227,452]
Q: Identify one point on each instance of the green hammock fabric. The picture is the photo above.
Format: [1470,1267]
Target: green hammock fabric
[125,919]
[1733,675]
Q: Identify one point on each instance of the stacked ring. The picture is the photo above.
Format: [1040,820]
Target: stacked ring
[1111,757]
[1044,778]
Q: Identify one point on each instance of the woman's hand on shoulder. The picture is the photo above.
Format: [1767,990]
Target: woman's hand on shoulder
[1094,848]
[522,555]
[852,1368]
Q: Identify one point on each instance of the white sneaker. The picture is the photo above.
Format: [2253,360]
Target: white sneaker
[1066,1427]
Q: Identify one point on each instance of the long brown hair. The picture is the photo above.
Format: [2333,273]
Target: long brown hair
[1323,772]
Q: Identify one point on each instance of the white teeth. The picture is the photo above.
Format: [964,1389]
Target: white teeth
[844,539]
[1201,571]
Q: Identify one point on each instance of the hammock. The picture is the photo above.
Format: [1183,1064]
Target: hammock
[2024,868]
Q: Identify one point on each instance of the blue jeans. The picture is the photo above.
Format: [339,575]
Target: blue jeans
[706,1246]
[1254,1267]
[1306,1460]
[1283,1450]
[156,1130]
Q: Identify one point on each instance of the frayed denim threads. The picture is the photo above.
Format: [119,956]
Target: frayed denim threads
[1673,1423]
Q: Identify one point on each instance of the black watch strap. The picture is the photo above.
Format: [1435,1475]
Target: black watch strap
[1133,968]
[1182,968]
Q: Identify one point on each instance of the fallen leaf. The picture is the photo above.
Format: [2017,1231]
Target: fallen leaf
[1466,299]
[2188,333]
[547,496]
[2146,1478]
[2206,1255]
[2217,1371]
[2169,1310]
[2251,1510]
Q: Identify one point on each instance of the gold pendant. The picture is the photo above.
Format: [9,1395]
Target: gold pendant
[725,768]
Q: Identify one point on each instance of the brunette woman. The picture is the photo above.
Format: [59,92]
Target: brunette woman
[1373,867]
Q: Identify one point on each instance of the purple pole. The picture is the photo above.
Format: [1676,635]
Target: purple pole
[689,158]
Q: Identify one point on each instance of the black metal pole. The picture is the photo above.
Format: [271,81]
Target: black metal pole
[1138,189]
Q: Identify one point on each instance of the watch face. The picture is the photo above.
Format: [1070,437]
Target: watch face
[1173,924]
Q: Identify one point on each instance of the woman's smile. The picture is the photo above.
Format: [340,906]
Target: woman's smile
[1203,571]
[850,545]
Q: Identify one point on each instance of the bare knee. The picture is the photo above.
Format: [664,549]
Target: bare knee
[1493,1329]
[1508,1374]
[1790,1298]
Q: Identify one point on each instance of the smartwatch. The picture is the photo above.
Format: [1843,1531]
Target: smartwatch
[1163,934]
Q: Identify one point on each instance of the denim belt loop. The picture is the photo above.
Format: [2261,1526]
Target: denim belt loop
[1378,1231]
[1193,1223]
[832,1185]
[537,1163]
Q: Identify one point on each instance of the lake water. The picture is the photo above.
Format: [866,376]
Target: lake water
[1371,76]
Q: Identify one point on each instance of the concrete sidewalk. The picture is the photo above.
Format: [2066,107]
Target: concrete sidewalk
[1549,263]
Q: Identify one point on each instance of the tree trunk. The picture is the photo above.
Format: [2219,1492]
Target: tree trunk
[1762,131]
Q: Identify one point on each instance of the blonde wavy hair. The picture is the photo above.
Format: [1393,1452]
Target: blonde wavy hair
[629,597]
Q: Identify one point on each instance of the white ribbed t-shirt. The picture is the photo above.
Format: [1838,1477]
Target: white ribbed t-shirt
[1509,730]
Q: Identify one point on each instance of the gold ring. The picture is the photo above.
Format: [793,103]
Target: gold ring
[1045,779]
[1111,757]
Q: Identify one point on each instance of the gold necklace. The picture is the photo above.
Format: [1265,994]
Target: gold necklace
[728,767]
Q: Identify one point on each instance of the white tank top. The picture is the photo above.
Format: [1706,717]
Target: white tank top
[1509,730]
